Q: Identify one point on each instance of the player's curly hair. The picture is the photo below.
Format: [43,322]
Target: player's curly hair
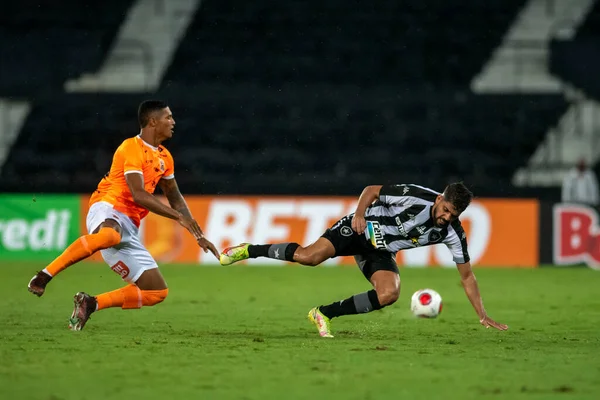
[148,107]
[458,195]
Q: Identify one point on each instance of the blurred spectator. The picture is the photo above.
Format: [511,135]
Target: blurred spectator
[580,186]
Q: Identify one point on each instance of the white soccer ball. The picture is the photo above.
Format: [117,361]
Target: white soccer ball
[426,303]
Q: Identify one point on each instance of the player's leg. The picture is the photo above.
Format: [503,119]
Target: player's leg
[135,265]
[387,286]
[311,255]
[334,242]
[105,232]
[381,270]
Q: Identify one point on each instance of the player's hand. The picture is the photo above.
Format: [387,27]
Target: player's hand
[191,225]
[208,246]
[487,322]
[359,224]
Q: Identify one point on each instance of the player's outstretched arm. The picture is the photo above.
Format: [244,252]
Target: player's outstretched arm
[171,190]
[469,283]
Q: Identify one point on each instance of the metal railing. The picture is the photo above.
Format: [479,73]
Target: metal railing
[132,46]
[525,52]
[550,7]
[533,53]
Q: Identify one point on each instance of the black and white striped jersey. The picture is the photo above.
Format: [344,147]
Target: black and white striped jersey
[401,219]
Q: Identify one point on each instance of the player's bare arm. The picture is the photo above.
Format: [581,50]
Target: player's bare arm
[367,197]
[147,200]
[469,283]
[171,190]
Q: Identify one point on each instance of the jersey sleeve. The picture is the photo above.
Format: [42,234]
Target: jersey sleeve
[132,158]
[393,194]
[169,167]
[456,240]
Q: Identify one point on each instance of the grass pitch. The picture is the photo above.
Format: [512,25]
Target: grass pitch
[242,333]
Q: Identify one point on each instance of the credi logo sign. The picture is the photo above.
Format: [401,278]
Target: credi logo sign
[47,233]
[576,235]
[228,221]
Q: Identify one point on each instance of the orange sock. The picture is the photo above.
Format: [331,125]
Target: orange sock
[130,297]
[82,248]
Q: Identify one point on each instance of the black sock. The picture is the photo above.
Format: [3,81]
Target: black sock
[357,304]
[258,250]
[278,251]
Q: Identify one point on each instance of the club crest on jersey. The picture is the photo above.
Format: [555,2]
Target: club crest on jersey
[162,164]
[434,236]
[375,235]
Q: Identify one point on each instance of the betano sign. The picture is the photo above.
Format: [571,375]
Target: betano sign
[501,233]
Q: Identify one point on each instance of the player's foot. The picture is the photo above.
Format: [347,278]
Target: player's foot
[37,284]
[321,322]
[84,306]
[234,254]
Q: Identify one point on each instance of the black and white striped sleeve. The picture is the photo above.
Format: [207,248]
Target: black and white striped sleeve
[393,194]
[406,194]
[456,240]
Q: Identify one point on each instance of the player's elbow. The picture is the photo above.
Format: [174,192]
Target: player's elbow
[373,190]
[138,196]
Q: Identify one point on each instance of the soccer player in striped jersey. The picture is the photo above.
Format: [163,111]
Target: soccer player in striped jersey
[123,198]
[387,219]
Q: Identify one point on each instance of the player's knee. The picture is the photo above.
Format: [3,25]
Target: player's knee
[387,296]
[307,258]
[153,297]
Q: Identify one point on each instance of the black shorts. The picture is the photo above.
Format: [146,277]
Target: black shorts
[349,243]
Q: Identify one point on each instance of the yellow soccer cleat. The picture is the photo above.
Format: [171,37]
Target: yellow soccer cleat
[321,322]
[234,254]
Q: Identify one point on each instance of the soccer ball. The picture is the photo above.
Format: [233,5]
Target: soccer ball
[426,303]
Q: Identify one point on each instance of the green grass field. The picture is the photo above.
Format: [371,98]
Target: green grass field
[242,333]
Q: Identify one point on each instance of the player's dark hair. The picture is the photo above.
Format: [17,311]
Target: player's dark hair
[148,107]
[458,195]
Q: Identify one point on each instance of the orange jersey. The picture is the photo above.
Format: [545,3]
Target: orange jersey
[133,156]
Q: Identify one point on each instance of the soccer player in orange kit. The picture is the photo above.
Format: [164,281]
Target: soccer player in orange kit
[123,197]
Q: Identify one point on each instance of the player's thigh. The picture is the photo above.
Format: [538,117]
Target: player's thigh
[344,240]
[151,279]
[102,215]
[379,268]
[315,253]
